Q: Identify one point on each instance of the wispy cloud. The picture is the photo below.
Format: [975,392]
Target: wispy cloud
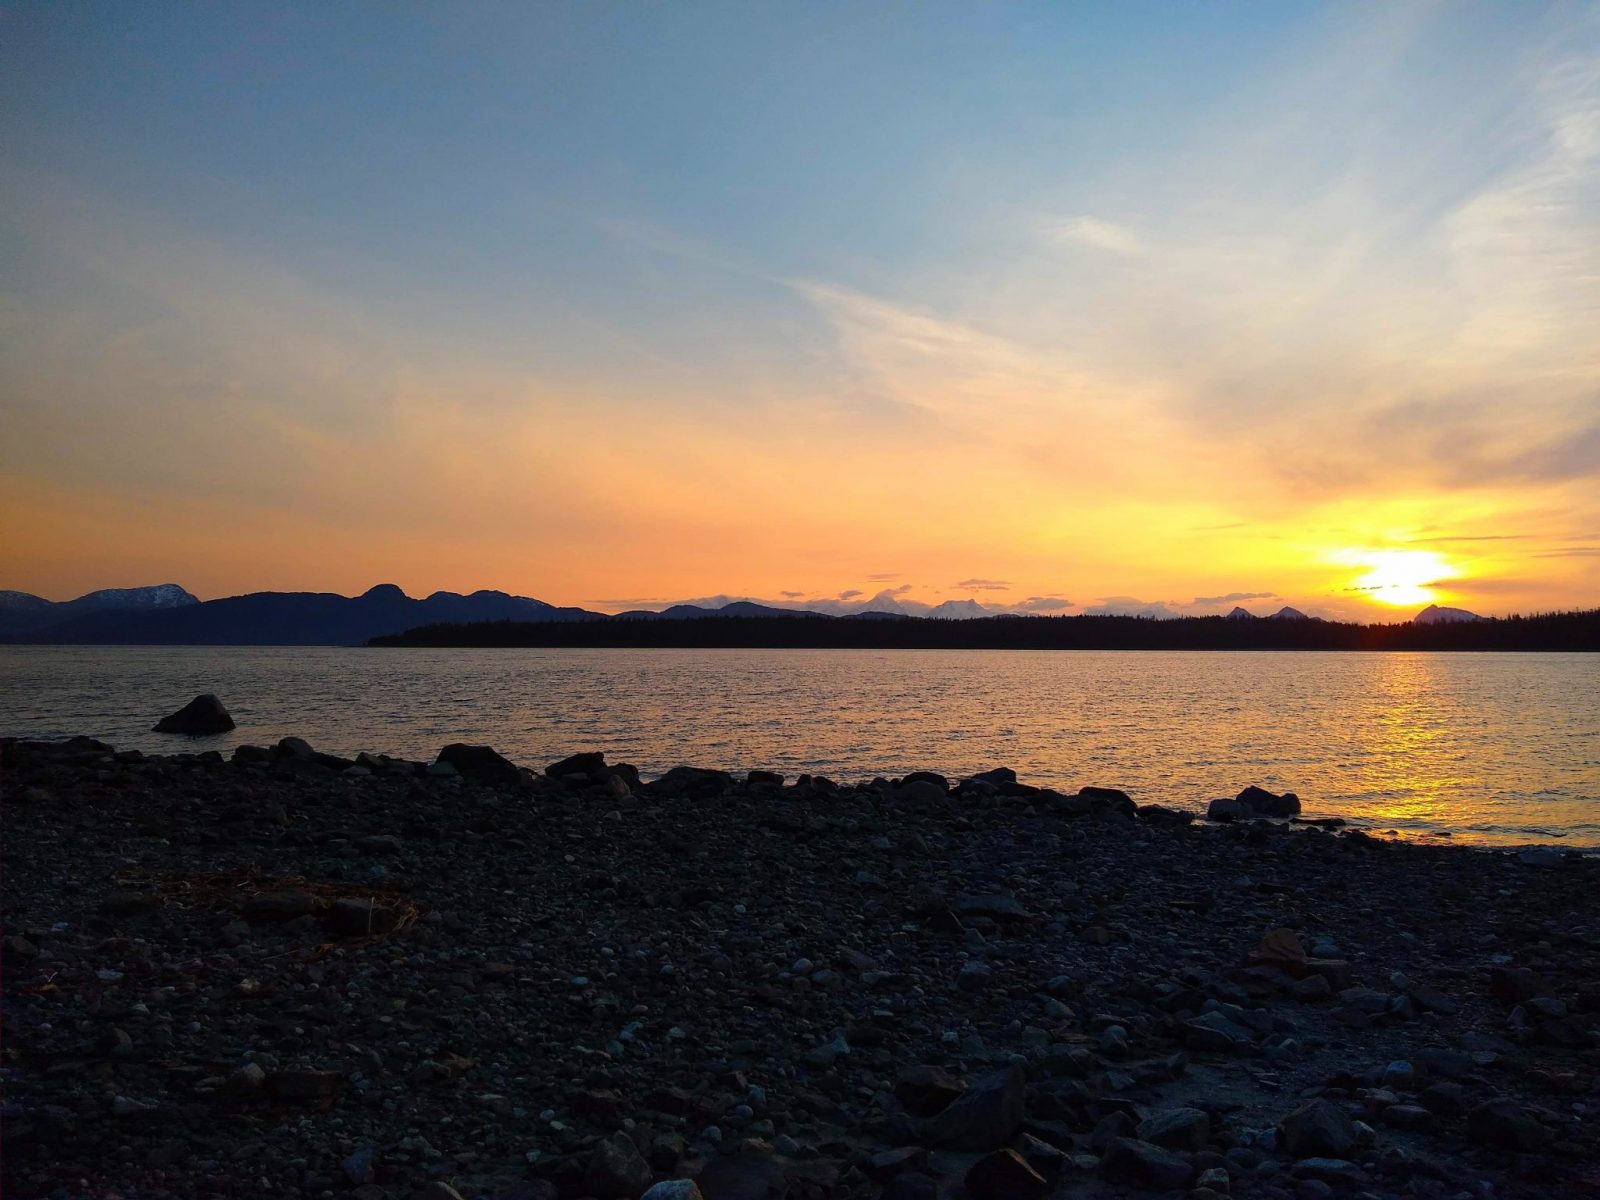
[983,585]
[1096,233]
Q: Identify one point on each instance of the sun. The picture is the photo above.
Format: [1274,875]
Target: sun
[1403,578]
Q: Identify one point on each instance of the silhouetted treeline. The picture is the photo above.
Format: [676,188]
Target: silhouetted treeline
[1554,631]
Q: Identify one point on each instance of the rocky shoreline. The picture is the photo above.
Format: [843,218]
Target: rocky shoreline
[290,974]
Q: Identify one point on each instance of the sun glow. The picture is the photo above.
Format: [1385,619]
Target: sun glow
[1403,578]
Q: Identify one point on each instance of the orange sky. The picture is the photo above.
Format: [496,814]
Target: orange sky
[1311,318]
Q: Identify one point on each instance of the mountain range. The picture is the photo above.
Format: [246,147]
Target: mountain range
[168,615]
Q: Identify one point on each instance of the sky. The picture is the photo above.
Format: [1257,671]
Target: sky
[1057,307]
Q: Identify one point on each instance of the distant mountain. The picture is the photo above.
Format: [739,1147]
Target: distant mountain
[297,618]
[1240,614]
[1289,614]
[736,608]
[21,612]
[958,610]
[1435,615]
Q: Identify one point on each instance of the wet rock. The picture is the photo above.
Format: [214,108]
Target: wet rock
[202,715]
[1318,1128]
[985,1116]
[359,918]
[886,1164]
[1003,1175]
[616,1170]
[1269,804]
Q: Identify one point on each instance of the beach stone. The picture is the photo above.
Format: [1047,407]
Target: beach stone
[886,1164]
[359,918]
[616,1170]
[910,1187]
[674,1189]
[482,763]
[1146,1165]
[305,1086]
[1506,1124]
[1318,1128]
[924,1091]
[1176,1129]
[1003,1175]
[997,906]
[985,1116]
[202,715]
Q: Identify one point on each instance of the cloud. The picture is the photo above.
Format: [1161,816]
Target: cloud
[984,585]
[1230,598]
[850,594]
[884,576]
[1095,233]
[791,595]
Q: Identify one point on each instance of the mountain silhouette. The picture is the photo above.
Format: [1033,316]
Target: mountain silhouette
[297,618]
[1435,615]
[22,612]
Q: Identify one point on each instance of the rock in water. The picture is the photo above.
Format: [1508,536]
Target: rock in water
[984,1117]
[203,714]
[1269,804]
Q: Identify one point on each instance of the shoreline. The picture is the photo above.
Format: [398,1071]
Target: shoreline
[281,976]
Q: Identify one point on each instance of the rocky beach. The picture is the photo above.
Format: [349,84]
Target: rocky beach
[290,974]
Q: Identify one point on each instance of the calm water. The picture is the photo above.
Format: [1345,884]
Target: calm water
[1485,747]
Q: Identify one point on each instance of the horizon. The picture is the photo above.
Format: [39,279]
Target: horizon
[883,603]
[1055,310]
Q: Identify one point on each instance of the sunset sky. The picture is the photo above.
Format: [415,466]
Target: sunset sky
[1061,307]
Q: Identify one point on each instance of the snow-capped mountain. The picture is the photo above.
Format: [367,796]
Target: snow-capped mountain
[22,612]
[1436,615]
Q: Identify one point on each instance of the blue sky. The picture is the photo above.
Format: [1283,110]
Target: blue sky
[1313,280]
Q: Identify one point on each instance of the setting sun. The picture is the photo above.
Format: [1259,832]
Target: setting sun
[1403,578]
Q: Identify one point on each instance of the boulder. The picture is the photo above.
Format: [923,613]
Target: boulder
[925,1091]
[1506,1124]
[674,1189]
[998,776]
[1177,1129]
[202,715]
[1318,1129]
[1226,809]
[1146,1165]
[616,1170]
[1003,1175]
[481,763]
[586,763]
[1269,804]
[984,1117]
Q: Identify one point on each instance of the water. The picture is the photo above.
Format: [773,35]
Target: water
[1487,748]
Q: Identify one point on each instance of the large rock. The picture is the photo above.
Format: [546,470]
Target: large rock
[926,1091]
[203,714]
[1146,1165]
[1177,1129]
[1507,1124]
[1269,804]
[984,1117]
[674,1189]
[482,763]
[616,1170]
[586,763]
[1003,1175]
[1318,1129]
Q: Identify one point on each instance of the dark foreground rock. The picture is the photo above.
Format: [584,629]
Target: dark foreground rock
[296,975]
[202,715]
